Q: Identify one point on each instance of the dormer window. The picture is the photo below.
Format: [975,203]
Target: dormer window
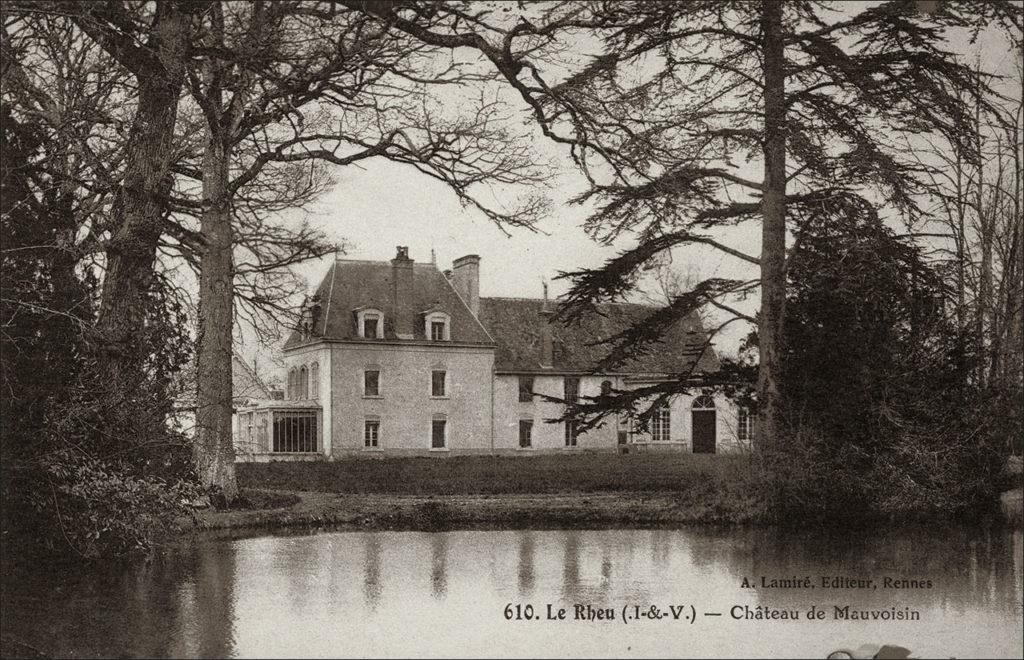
[370,326]
[437,326]
[370,323]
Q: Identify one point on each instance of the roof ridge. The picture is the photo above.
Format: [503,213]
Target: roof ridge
[476,317]
[250,370]
[385,262]
[540,300]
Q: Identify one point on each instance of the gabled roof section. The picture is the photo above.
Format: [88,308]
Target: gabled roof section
[517,326]
[351,285]
[245,382]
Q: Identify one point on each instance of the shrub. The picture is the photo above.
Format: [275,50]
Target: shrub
[946,469]
[103,508]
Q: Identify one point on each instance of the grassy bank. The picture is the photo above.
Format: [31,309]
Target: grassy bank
[572,490]
[547,490]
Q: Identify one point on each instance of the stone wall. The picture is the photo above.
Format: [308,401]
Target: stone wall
[405,407]
[508,410]
[482,409]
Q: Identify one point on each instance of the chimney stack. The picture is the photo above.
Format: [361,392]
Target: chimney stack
[401,294]
[466,280]
[547,342]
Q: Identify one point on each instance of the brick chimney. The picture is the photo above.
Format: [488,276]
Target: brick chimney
[401,294]
[547,342]
[466,280]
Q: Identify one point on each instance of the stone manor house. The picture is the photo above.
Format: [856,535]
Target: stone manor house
[399,358]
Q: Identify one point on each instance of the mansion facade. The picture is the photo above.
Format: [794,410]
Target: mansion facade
[399,358]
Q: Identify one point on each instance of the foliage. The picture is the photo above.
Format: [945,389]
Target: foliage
[878,425]
[45,304]
[863,317]
[949,468]
[104,507]
[88,464]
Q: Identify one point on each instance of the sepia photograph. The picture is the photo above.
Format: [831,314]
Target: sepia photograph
[511,329]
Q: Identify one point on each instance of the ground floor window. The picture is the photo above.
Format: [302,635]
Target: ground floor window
[438,433]
[295,432]
[745,425]
[371,433]
[571,433]
[661,424]
[525,433]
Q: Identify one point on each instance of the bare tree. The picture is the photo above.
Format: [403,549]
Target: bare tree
[974,232]
[276,91]
[284,83]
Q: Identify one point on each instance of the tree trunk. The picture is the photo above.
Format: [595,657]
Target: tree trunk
[985,216]
[213,450]
[961,277]
[773,229]
[140,205]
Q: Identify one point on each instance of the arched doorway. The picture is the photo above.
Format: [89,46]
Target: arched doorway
[704,425]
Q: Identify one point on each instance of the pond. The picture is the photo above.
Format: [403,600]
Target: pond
[948,593]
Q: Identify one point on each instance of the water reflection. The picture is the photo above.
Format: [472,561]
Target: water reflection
[371,570]
[570,564]
[344,594]
[439,565]
[525,572]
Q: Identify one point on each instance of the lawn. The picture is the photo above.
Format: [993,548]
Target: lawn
[484,475]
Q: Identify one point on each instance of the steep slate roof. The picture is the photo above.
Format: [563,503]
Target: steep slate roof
[517,325]
[245,382]
[351,285]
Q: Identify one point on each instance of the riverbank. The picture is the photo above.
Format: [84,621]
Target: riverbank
[497,492]
[500,492]
[504,511]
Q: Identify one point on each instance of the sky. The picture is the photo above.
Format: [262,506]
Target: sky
[378,205]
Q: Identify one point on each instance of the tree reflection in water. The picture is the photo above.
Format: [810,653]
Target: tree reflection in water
[337,593]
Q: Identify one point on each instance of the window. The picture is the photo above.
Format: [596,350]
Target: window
[371,382]
[370,326]
[525,389]
[661,424]
[437,383]
[314,381]
[295,432]
[571,433]
[525,433]
[303,383]
[296,383]
[745,424]
[437,326]
[704,425]
[438,433]
[606,387]
[371,433]
[370,323]
[572,390]
[704,402]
